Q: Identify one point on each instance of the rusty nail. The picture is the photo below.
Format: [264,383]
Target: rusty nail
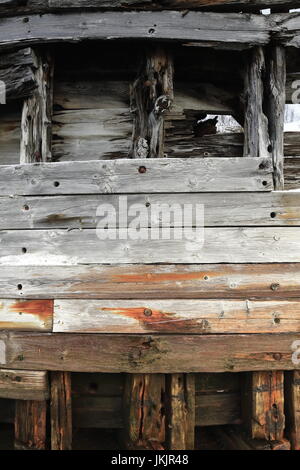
[142,169]
[277,356]
[147,312]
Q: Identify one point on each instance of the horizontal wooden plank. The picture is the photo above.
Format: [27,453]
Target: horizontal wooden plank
[147,353]
[26,315]
[280,208]
[15,7]
[138,176]
[218,409]
[24,385]
[207,28]
[17,72]
[287,29]
[211,245]
[176,316]
[242,281]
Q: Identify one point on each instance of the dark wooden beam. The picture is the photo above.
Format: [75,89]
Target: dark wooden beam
[30,425]
[292,402]
[147,353]
[61,411]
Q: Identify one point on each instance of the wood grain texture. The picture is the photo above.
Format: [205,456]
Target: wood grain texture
[180,396]
[183,281]
[231,438]
[144,416]
[264,405]
[292,400]
[30,425]
[147,353]
[220,209]
[209,28]
[30,315]
[61,411]
[24,385]
[221,245]
[125,176]
[176,316]
[17,71]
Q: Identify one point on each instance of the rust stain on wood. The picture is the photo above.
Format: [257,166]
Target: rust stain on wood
[160,277]
[156,320]
[40,308]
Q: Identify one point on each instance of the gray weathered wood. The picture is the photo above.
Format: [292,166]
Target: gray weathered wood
[220,209]
[287,29]
[17,72]
[24,385]
[129,176]
[219,245]
[194,281]
[37,115]
[176,316]
[256,141]
[209,28]
[146,353]
[276,84]
[151,97]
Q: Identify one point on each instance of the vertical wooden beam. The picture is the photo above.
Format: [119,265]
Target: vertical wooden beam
[151,96]
[36,119]
[256,139]
[292,400]
[180,396]
[263,405]
[144,411]
[30,425]
[61,411]
[275,96]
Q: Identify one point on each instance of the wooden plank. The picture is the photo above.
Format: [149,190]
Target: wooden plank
[292,400]
[61,411]
[102,385]
[113,353]
[176,316]
[256,140]
[144,420]
[142,176]
[17,72]
[151,97]
[10,132]
[242,281]
[219,245]
[276,84]
[24,385]
[288,29]
[231,438]
[180,395]
[30,315]
[208,28]
[220,209]
[37,115]
[30,425]
[264,405]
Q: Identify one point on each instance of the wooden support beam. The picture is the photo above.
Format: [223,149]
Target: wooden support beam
[24,385]
[152,95]
[275,97]
[292,402]
[144,412]
[263,405]
[113,353]
[30,425]
[37,114]
[180,424]
[256,140]
[61,411]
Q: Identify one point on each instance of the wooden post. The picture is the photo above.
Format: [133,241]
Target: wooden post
[292,399]
[144,412]
[180,396]
[256,138]
[30,425]
[61,411]
[36,119]
[151,96]
[263,405]
[275,84]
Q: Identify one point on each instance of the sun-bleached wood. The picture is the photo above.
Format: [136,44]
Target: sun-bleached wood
[25,315]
